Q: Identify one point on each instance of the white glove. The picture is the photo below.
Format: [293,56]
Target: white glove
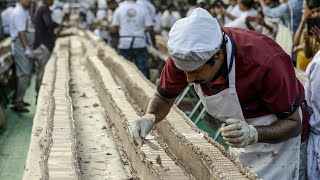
[28,53]
[239,134]
[141,127]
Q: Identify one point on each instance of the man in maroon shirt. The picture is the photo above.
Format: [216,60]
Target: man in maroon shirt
[241,76]
[44,38]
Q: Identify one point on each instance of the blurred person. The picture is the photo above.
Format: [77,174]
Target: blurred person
[22,36]
[151,9]
[289,12]
[131,20]
[2,8]
[157,20]
[266,25]
[149,6]
[246,9]
[235,73]
[5,17]
[312,90]
[44,39]
[113,39]
[90,16]
[102,11]
[232,11]
[202,3]
[216,9]
[192,5]
[102,30]
[168,18]
[310,29]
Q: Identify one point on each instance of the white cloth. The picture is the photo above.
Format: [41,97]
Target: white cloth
[234,11]
[312,90]
[18,21]
[5,15]
[194,40]
[240,21]
[269,161]
[168,19]
[132,20]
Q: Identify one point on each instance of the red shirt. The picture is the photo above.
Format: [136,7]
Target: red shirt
[265,78]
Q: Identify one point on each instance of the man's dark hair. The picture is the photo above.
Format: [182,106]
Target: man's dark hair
[248,3]
[313,4]
[218,4]
[192,2]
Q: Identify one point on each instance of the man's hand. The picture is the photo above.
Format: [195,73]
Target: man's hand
[28,53]
[141,127]
[239,134]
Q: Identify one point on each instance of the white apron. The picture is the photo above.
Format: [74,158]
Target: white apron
[269,161]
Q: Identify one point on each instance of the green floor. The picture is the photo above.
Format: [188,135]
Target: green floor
[14,142]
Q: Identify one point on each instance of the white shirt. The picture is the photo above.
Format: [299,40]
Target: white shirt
[132,20]
[18,21]
[149,6]
[101,13]
[168,19]
[89,18]
[5,15]
[234,11]
[240,22]
[312,91]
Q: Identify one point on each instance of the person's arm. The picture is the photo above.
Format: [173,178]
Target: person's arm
[171,84]
[306,13]
[159,106]
[308,44]
[23,39]
[152,35]
[276,12]
[284,104]
[228,15]
[280,130]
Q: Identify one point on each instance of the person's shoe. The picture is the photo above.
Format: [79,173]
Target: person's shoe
[20,108]
[26,103]
[23,103]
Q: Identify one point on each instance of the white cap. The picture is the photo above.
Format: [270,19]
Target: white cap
[194,40]
[201,1]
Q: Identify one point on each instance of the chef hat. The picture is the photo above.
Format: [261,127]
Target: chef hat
[194,40]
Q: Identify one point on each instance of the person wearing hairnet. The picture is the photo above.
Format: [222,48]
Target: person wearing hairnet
[22,37]
[241,76]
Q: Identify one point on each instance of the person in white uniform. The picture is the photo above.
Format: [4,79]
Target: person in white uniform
[5,15]
[22,36]
[246,9]
[235,73]
[312,89]
[131,20]
[168,18]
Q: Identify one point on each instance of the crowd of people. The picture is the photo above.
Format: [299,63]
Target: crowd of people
[32,29]
[226,48]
